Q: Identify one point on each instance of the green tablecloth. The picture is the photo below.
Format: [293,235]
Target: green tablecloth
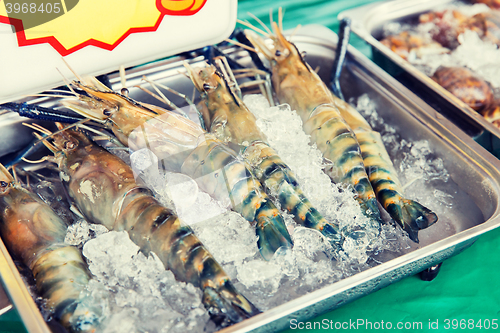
[468,286]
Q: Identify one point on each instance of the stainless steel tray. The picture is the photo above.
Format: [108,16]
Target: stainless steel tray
[471,168]
[367,22]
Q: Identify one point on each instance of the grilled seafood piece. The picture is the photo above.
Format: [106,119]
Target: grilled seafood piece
[228,117]
[33,232]
[406,43]
[104,189]
[495,4]
[467,86]
[451,23]
[298,85]
[183,146]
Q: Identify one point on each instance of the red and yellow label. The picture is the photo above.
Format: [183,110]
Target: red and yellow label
[78,24]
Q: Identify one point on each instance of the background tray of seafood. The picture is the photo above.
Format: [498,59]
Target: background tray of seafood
[376,21]
[443,168]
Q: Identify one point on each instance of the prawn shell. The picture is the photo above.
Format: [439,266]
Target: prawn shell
[230,119]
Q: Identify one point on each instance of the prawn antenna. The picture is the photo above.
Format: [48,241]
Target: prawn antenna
[253,27]
[155,87]
[43,159]
[175,92]
[71,69]
[67,82]
[280,18]
[260,22]
[123,80]
[246,47]
[49,134]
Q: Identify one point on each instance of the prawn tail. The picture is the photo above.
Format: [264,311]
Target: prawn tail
[226,306]
[412,217]
[293,199]
[271,230]
[280,182]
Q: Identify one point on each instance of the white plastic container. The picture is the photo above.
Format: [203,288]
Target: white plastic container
[96,37]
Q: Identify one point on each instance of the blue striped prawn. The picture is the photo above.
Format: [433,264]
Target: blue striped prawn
[226,116]
[356,151]
[298,85]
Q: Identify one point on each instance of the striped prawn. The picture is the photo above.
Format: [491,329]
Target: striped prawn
[409,214]
[103,188]
[227,116]
[356,152]
[298,85]
[183,146]
[34,233]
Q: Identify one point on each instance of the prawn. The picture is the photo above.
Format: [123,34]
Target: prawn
[360,154]
[33,232]
[103,188]
[229,119]
[183,146]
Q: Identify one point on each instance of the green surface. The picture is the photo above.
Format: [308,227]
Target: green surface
[468,285]
[10,322]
